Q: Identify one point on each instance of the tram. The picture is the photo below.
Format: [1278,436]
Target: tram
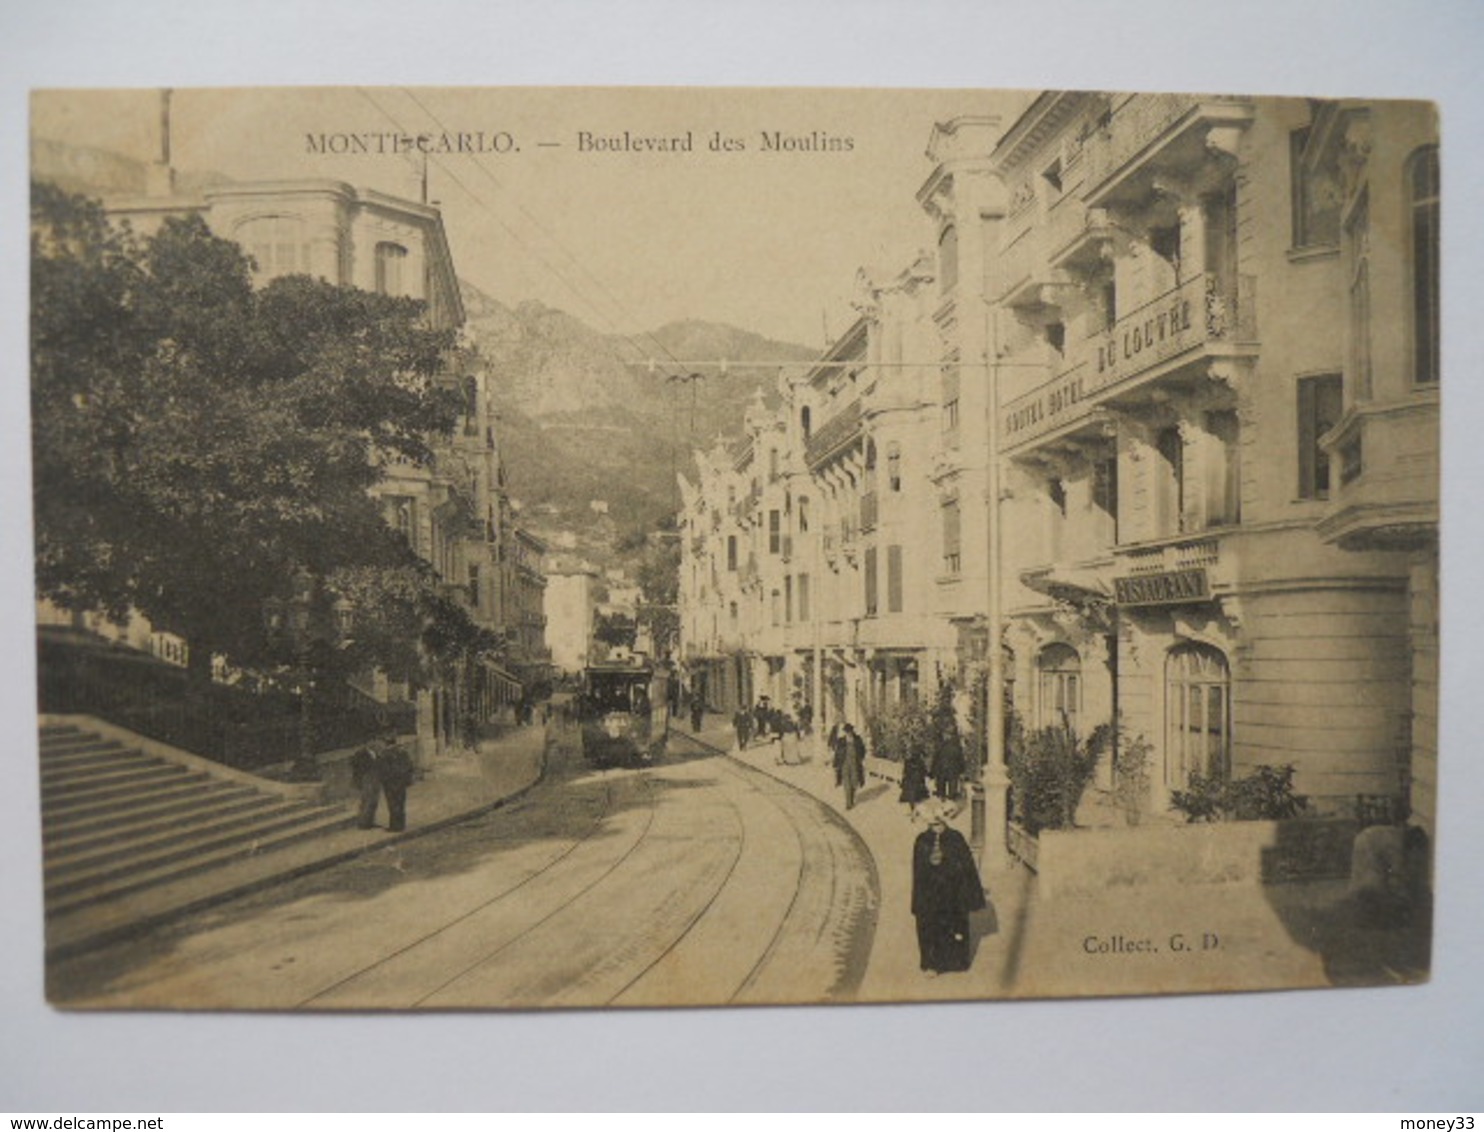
[623,710]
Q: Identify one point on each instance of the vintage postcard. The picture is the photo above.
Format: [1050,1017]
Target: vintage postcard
[558,547]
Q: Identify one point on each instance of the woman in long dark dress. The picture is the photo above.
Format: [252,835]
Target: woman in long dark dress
[945,889]
[914,781]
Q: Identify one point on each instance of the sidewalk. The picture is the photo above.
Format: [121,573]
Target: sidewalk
[1026,946]
[455,787]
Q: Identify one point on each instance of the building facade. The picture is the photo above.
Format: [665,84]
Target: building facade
[455,513]
[1149,440]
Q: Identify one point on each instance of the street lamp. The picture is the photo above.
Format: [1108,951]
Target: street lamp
[290,621]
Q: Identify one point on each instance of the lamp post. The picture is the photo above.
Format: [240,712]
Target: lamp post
[289,622]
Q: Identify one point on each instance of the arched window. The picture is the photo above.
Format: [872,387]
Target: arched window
[1197,714]
[1423,199]
[948,259]
[276,244]
[390,259]
[1060,670]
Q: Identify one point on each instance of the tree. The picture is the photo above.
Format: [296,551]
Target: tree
[198,442]
[616,630]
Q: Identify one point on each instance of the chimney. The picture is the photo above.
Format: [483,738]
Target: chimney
[160,177]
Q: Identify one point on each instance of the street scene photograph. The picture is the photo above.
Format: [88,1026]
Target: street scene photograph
[520,548]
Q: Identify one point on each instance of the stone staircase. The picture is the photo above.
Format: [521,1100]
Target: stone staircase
[119,819]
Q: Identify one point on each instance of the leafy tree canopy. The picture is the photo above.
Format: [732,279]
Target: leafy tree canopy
[198,441]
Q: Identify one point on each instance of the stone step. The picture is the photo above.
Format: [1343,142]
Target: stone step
[93,894]
[194,786]
[115,784]
[114,825]
[78,745]
[87,762]
[156,841]
[188,856]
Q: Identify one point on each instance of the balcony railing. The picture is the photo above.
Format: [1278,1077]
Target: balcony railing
[1196,551]
[834,436]
[1151,130]
[1197,319]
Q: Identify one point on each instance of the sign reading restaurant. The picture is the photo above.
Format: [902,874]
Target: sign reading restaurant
[1147,336]
[1174,588]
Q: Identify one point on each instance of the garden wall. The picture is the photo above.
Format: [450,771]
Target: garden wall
[1086,862]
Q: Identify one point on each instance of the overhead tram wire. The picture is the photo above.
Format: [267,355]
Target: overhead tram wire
[480,202]
[618,305]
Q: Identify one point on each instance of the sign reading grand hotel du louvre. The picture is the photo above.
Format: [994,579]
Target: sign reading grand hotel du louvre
[471,574]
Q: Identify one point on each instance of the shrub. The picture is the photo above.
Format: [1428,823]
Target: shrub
[1131,777]
[1049,772]
[898,729]
[1266,794]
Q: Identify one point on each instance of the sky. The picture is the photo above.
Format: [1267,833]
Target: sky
[769,240]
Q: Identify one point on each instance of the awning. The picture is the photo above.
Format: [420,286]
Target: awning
[1074,586]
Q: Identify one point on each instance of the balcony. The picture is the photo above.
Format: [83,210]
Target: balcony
[1387,475]
[834,437]
[1172,339]
[1153,136]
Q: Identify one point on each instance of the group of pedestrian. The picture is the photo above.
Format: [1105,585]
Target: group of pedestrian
[377,769]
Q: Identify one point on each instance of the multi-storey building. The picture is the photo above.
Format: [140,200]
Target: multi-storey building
[1153,434]
[570,605]
[455,513]
[1173,341]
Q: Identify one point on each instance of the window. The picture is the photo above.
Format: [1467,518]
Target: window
[1198,715]
[1060,670]
[894,468]
[1316,212]
[803,514]
[1320,403]
[1358,243]
[474,586]
[1105,303]
[1105,492]
[402,515]
[950,397]
[804,422]
[788,599]
[390,261]
[870,574]
[1169,471]
[894,579]
[775,532]
[777,608]
[471,407]
[1056,336]
[951,537]
[1223,469]
[1423,193]
[732,553]
[276,244]
[948,259]
[803,592]
[1165,242]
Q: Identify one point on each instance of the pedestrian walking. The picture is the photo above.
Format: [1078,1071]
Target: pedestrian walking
[806,718]
[948,770]
[742,723]
[365,776]
[697,711]
[397,773]
[945,889]
[850,763]
[762,716]
[914,781]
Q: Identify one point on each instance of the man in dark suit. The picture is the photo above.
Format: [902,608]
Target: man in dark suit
[397,773]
